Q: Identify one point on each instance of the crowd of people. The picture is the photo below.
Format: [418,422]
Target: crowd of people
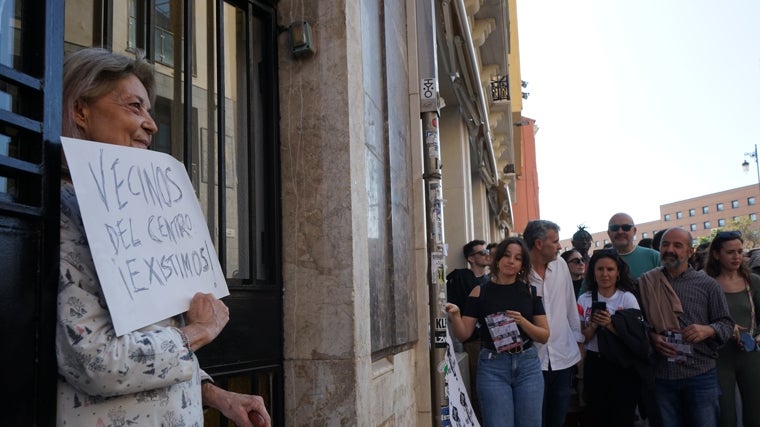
[663,333]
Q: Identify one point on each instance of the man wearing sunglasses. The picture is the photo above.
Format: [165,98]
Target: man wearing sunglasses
[459,284]
[621,230]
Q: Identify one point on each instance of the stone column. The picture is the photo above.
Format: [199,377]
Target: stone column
[324,219]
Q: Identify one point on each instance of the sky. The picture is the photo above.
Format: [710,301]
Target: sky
[638,103]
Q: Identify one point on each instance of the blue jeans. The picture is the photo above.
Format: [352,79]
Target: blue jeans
[691,402]
[510,388]
[557,390]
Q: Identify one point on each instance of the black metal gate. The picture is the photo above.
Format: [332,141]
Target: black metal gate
[31,52]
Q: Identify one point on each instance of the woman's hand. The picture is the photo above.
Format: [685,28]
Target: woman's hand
[601,318]
[245,410]
[519,318]
[462,326]
[452,309]
[737,334]
[537,329]
[205,319]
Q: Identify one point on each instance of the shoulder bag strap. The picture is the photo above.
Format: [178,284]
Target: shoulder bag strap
[751,310]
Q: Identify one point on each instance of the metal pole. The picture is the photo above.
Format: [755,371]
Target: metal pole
[428,90]
[757,168]
[436,262]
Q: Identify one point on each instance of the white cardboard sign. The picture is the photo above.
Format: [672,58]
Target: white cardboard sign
[147,234]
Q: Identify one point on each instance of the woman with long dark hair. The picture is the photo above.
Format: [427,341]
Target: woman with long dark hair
[738,360]
[511,318]
[612,391]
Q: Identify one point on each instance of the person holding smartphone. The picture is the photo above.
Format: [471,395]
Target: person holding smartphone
[611,390]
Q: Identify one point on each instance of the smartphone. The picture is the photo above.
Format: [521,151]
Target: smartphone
[598,305]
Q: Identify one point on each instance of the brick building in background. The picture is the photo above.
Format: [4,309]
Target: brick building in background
[700,215]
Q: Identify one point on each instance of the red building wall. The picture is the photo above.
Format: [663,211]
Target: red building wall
[525,206]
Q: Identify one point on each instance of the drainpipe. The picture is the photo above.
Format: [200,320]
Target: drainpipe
[433,203]
[464,22]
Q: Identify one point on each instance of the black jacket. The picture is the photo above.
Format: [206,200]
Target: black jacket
[631,349]
[631,344]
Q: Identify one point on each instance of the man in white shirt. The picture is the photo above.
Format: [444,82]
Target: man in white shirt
[551,277]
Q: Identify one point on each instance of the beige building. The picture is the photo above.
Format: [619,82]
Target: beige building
[700,215]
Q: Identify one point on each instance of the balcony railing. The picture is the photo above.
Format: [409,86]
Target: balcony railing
[500,88]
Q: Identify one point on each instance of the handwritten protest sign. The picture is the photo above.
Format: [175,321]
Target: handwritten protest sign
[148,238]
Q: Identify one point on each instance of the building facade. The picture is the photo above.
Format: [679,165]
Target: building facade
[525,203]
[699,215]
[300,127]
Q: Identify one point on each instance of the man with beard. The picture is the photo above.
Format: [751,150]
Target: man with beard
[621,231]
[689,321]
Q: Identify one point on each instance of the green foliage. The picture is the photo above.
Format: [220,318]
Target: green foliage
[748,228]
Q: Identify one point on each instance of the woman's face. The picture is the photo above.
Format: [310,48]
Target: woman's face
[120,117]
[730,256]
[511,263]
[606,273]
[576,265]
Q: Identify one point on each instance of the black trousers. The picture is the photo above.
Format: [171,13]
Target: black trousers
[612,392]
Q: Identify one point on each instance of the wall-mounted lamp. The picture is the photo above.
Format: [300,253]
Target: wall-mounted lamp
[300,39]
[523,83]
[745,164]
[525,95]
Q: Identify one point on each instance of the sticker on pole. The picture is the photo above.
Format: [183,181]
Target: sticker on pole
[428,94]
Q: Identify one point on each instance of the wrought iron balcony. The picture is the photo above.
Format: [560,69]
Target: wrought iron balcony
[500,88]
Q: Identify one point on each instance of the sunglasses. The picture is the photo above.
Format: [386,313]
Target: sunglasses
[577,261]
[729,234]
[616,227]
[483,252]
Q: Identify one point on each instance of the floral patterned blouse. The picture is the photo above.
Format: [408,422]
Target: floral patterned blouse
[146,377]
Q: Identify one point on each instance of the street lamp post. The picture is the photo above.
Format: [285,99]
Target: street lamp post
[745,164]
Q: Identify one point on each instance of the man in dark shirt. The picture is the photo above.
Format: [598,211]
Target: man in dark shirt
[459,284]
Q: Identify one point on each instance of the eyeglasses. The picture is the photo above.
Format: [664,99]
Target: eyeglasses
[616,227]
[483,252]
[577,261]
[735,234]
